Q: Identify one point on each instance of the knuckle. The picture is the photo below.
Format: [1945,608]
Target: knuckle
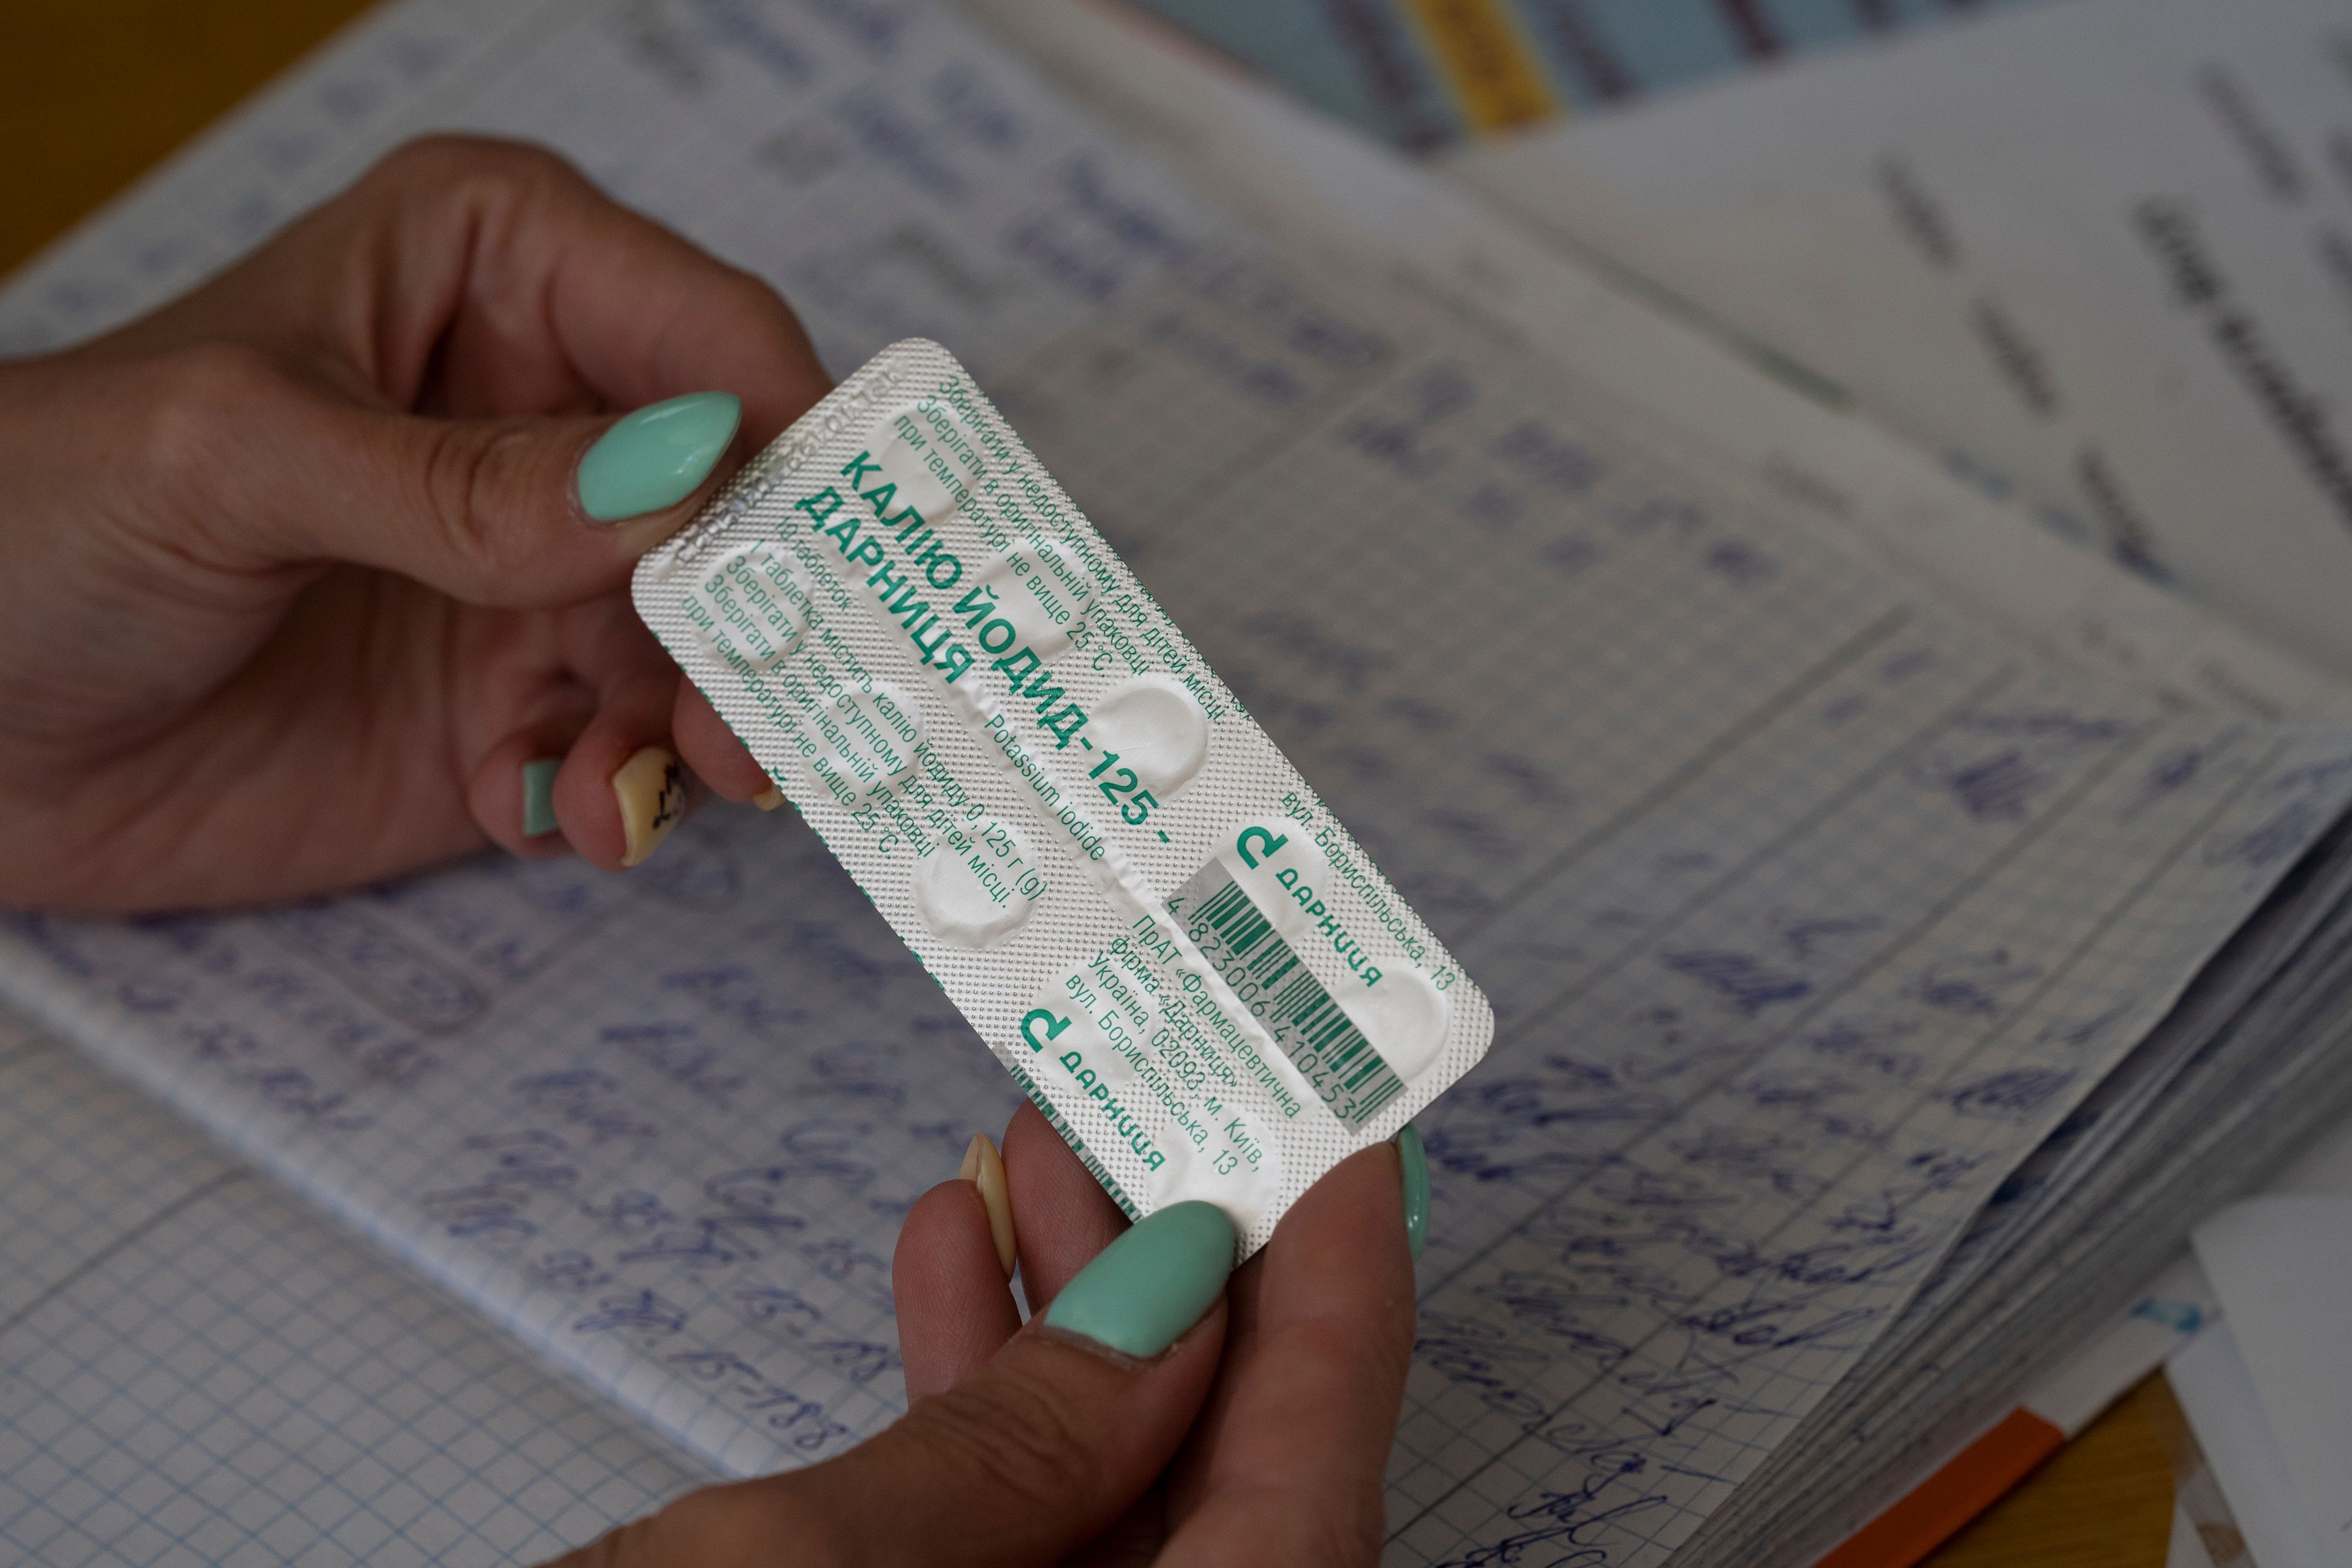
[463,477]
[1328,1529]
[1017,1440]
[426,164]
[451,172]
[440,159]
[728,1524]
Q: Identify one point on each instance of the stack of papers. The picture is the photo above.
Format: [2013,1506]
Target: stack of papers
[1877,975]
[1422,75]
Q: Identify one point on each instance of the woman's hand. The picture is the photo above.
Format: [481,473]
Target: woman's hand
[317,572]
[305,570]
[1208,1433]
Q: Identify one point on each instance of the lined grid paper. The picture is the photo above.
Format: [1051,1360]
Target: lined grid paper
[1809,907]
[1945,965]
[196,1369]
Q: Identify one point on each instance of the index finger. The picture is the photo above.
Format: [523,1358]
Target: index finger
[636,311]
[464,277]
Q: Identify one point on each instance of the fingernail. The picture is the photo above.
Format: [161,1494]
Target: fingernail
[769,798]
[983,1169]
[651,789]
[1415,1165]
[1146,1288]
[658,456]
[539,795]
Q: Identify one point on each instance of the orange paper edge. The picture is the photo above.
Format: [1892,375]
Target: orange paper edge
[1935,1511]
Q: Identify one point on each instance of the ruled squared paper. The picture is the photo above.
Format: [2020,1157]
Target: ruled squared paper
[1808,906]
[1784,973]
[196,1368]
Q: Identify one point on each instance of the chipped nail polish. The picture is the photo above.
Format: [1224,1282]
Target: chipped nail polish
[651,790]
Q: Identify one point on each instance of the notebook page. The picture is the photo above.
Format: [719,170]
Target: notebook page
[2084,1216]
[196,1368]
[1719,992]
[1298,174]
[1811,905]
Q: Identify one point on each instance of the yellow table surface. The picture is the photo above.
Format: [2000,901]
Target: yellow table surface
[94,92]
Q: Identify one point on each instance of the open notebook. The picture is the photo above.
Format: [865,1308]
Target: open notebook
[1814,890]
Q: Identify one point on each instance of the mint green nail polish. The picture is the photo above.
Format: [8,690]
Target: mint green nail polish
[539,795]
[1415,1161]
[658,456]
[1151,1285]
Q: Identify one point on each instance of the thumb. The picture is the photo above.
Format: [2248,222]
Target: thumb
[1026,1461]
[513,512]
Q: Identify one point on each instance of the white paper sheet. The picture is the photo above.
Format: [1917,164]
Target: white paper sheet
[2103,249]
[2220,1397]
[2282,1265]
[2217,1393]
[2187,1548]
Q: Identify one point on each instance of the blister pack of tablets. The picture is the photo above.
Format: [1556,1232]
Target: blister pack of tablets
[1159,929]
